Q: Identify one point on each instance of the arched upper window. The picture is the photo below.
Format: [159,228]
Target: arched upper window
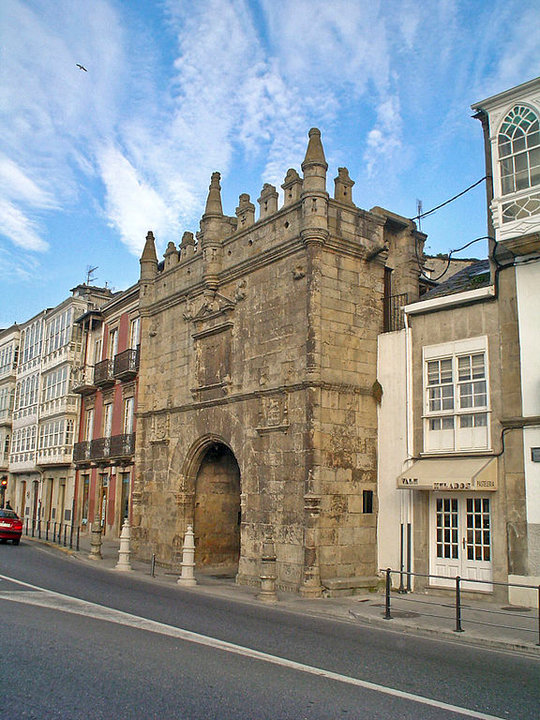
[519,150]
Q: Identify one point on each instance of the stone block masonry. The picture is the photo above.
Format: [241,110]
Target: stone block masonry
[257,418]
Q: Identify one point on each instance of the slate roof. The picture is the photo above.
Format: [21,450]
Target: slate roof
[472,277]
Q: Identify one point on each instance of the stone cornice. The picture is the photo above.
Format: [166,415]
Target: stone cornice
[242,397]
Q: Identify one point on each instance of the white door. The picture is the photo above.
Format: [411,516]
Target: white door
[461,540]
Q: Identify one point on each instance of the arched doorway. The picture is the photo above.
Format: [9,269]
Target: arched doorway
[216,521]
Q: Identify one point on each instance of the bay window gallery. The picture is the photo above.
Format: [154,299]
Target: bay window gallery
[456,399]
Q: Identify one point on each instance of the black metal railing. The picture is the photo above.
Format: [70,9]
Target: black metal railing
[100,448]
[81,451]
[116,446]
[122,445]
[393,312]
[103,373]
[126,363]
[64,534]
[459,607]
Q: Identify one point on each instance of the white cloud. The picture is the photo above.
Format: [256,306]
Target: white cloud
[15,183]
[384,141]
[22,231]
[132,205]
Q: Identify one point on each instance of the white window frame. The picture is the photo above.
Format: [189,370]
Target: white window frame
[456,409]
[112,343]
[129,406]
[134,332]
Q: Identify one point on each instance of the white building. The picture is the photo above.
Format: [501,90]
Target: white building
[459,421]
[46,411]
[511,122]
[9,354]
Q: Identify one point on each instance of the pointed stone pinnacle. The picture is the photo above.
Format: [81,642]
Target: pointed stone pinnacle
[213,203]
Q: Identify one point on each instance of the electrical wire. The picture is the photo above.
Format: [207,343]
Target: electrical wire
[446,202]
[427,277]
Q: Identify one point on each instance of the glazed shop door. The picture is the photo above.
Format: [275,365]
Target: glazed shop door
[460,540]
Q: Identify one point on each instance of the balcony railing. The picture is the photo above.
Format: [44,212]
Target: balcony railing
[103,373]
[58,455]
[126,364]
[83,380]
[106,448]
[393,312]
[81,451]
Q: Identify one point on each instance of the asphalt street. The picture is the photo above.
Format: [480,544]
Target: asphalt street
[135,648]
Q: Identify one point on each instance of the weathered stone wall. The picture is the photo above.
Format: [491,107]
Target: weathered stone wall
[262,338]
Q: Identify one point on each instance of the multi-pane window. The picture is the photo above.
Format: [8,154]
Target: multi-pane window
[54,384]
[128,415]
[456,401]
[88,424]
[134,333]
[447,528]
[31,342]
[8,358]
[24,440]
[55,433]
[6,400]
[58,331]
[107,420]
[26,393]
[519,150]
[113,343]
[478,529]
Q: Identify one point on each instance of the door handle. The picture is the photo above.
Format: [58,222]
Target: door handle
[463,541]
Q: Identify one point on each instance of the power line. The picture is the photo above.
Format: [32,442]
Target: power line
[423,215]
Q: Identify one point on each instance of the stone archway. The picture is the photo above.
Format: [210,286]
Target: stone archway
[216,518]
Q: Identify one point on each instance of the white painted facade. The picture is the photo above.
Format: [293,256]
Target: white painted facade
[513,123]
[394,515]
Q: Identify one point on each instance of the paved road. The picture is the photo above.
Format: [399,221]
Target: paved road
[129,648]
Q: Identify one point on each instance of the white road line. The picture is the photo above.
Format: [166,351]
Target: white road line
[65,603]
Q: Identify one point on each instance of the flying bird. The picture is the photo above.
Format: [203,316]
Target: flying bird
[81,67]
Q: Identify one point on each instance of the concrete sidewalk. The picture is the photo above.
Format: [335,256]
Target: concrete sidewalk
[483,623]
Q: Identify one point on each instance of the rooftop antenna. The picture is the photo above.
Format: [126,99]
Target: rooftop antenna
[89,273]
[419,208]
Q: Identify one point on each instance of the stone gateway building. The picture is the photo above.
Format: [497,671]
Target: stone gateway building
[257,407]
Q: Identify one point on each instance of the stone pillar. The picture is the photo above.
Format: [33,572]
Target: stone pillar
[268,201]
[268,573]
[245,212]
[123,563]
[95,542]
[187,577]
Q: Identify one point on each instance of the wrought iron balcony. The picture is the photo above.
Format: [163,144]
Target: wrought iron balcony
[122,446]
[100,448]
[81,451]
[126,364]
[83,380]
[116,447]
[103,374]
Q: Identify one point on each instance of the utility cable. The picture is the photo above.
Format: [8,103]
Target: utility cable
[438,207]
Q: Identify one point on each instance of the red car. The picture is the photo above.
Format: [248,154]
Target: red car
[10,526]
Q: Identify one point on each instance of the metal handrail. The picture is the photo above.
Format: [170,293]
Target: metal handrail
[65,534]
[457,595]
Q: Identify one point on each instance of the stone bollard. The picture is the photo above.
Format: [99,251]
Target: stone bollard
[268,573]
[95,542]
[187,577]
[123,563]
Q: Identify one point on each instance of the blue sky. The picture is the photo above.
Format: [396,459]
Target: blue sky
[174,89]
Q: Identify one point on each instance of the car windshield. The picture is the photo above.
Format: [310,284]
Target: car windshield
[8,514]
